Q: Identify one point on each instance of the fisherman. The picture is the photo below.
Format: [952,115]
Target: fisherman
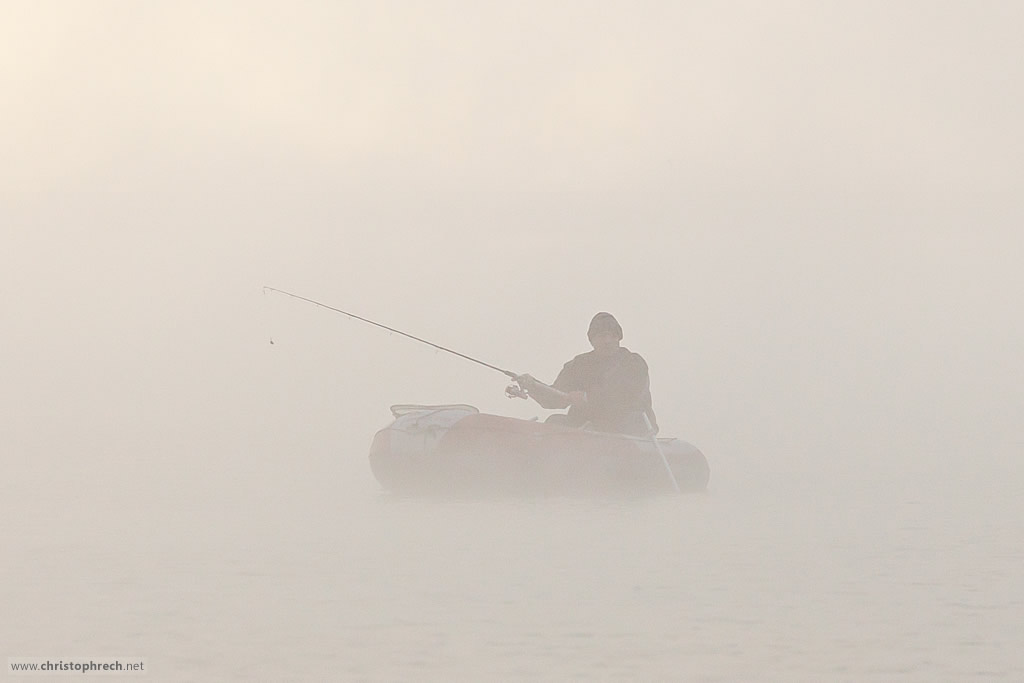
[607,389]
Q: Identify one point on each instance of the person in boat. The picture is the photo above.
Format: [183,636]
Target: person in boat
[607,389]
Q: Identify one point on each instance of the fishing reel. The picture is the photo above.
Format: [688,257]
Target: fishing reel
[516,391]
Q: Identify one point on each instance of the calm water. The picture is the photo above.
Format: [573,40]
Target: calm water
[755,580]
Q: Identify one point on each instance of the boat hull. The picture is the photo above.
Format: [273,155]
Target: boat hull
[455,450]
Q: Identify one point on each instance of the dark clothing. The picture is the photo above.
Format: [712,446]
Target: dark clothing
[618,391]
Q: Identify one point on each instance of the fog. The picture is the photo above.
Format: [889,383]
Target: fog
[806,217]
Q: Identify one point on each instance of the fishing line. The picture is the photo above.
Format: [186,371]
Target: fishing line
[270,317]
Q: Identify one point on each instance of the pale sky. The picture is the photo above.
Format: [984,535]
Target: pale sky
[805,215]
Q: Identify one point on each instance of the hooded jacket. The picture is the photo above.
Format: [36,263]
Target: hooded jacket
[618,391]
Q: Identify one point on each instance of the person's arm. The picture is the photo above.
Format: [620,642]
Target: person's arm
[645,396]
[548,397]
[645,400]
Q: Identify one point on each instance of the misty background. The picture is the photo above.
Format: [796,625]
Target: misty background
[806,217]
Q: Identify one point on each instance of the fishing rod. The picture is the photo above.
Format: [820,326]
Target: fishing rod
[507,373]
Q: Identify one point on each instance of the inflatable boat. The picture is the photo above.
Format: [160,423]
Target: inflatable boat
[453,450]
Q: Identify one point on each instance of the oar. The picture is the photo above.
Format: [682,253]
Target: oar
[664,460]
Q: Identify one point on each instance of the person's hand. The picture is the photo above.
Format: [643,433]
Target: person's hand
[527,382]
[577,397]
